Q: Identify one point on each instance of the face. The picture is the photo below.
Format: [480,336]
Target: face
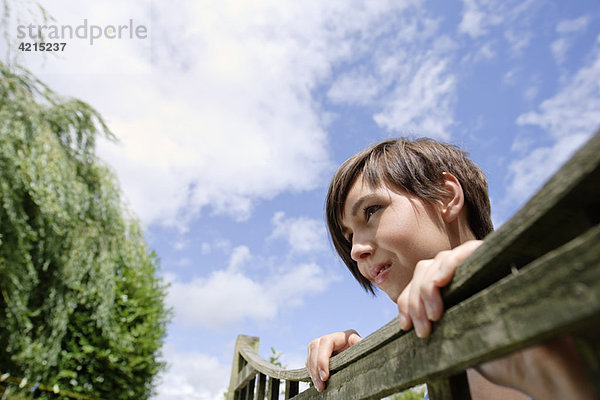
[390,232]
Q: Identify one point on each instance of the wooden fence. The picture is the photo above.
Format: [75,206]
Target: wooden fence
[535,278]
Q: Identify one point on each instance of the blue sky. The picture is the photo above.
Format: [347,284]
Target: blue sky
[233,115]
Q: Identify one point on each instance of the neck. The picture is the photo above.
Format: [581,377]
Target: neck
[459,232]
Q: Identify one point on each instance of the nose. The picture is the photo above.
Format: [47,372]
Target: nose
[360,250]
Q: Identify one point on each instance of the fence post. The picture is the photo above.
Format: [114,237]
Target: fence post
[238,360]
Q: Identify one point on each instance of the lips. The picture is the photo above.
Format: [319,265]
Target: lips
[379,272]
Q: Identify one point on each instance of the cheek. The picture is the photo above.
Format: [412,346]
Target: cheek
[362,273]
[412,240]
[398,234]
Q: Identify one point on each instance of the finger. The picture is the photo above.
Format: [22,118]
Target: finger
[321,351]
[326,348]
[417,313]
[429,293]
[451,260]
[311,364]
[330,345]
[403,314]
[432,301]
[353,338]
[421,281]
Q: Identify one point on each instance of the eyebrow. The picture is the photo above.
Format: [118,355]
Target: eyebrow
[360,201]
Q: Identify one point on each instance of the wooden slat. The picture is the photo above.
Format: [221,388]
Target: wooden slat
[261,387]
[291,389]
[455,387]
[273,393]
[250,392]
[508,316]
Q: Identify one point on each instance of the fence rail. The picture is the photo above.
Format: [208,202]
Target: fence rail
[535,278]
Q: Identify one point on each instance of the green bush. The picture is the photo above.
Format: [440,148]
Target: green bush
[81,305]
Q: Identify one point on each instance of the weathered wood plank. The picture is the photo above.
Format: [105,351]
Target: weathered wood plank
[566,206]
[510,315]
[269,369]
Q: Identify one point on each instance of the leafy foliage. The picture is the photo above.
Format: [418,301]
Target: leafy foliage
[274,358]
[80,301]
[416,393]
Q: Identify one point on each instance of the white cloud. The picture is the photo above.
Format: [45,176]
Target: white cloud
[222,114]
[572,25]
[406,79]
[240,256]
[304,235]
[569,117]
[532,171]
[531,93]
[559,49]
[567,30]
[192,376]
[480,17]
[356,88]
[472,20]
[228,297]
[424,104]
[575,109]
[510,77]
[518,39]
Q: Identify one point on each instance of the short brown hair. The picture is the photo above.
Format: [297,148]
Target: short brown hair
[413,166]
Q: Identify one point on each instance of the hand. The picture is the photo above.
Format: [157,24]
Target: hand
[420,302]
[320,351]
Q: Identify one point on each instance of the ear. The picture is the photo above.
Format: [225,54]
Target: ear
[454,199]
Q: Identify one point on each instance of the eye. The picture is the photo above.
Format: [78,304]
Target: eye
[370,210]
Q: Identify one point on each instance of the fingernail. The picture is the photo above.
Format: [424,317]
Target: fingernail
[421,328]
[322,374]
[403,322]
[429,311]
[418,332]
